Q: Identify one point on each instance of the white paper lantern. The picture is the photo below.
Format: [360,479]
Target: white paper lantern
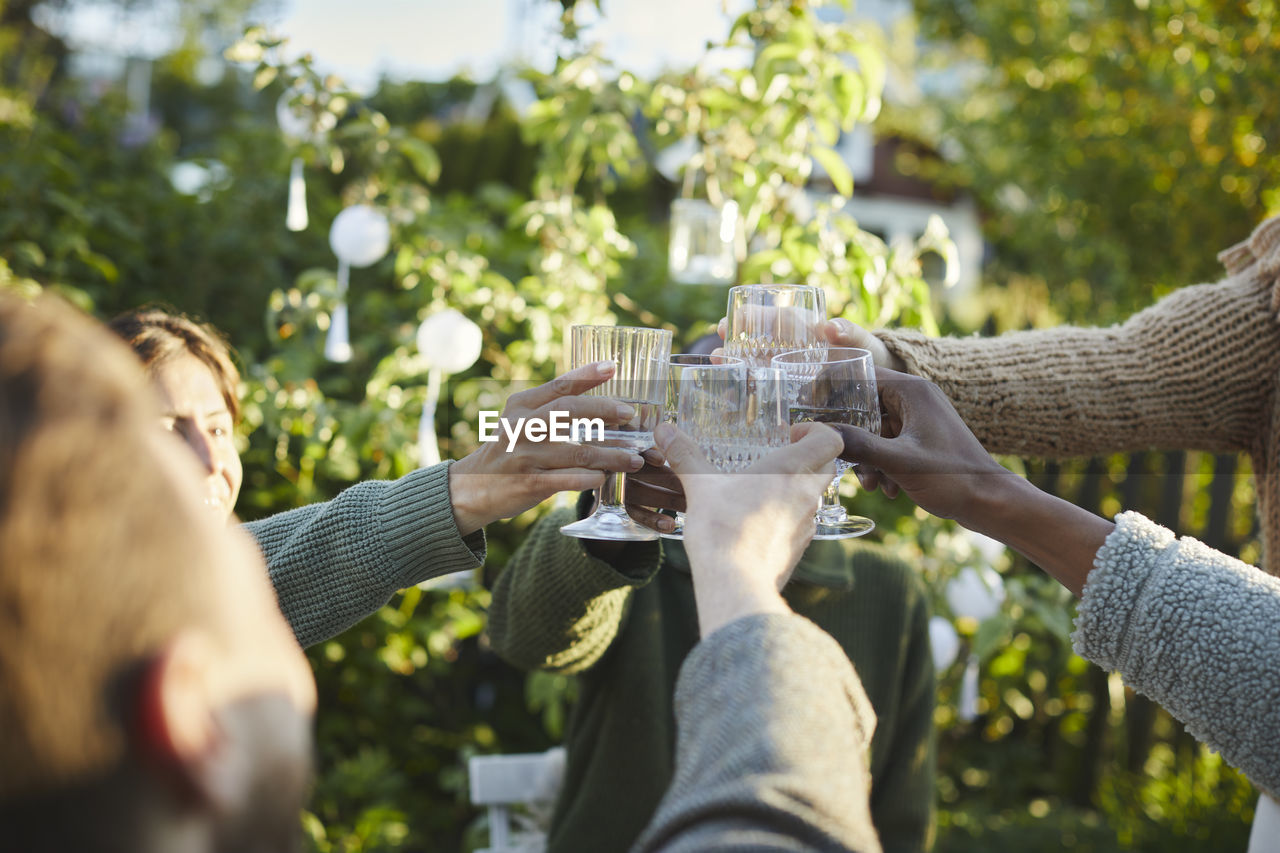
[944,642]
[360,236]
[449,341]
[976,593]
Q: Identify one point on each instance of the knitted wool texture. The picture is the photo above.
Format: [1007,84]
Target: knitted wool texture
[1194,629]
[334,563]
[1199,370]
[781,768]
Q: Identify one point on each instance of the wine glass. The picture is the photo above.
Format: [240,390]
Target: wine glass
[734,413]
[676,367]
[837,386]
[640,382]
[767,319]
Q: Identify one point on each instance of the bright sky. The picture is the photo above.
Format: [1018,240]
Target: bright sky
[421,39]
[432,39]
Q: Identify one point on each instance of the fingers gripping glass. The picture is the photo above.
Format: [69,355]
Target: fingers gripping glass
[681,362]
[835,387]
[640,382]
[765,320]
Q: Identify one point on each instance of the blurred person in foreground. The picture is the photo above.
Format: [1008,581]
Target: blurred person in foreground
[174,715]
[152,698]
[334,563]
[621,618]
[1188,626]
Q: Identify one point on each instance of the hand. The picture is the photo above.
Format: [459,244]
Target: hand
[939,463]
[927,451]
[492,483]
[745,531]
[654,487]
[842,333]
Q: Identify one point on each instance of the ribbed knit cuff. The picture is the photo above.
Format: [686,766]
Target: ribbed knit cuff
[419,533]
[1113,593]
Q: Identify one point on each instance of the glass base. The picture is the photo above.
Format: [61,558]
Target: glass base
[847,528]
[610,525]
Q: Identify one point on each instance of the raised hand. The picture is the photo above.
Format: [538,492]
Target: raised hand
[493,482]
[930,454]
[937,461]
[745,531]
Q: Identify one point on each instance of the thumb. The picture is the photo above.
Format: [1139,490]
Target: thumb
[841,332]
[861,446]
[682,454]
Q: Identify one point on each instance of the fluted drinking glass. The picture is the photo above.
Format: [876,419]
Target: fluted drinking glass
[641,382]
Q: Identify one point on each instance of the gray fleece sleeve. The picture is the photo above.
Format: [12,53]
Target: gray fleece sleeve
[1197,631]
[773,728]
[334,563]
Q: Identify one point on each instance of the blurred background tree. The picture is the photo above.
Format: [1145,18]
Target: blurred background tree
[1115,147]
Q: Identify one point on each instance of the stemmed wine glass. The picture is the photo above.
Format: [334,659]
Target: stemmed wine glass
[837,386]
[734,413]
[676,367]
[640,382]
[767,319]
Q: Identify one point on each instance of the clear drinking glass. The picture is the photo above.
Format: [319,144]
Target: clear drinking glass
[837,386]
[768,319]
[676,367]
[641,382]
[734,413]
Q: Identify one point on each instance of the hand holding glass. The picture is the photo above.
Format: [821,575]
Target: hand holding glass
[837,386]
[640,382]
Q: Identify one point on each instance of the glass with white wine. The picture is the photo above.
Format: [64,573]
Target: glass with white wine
[836,386]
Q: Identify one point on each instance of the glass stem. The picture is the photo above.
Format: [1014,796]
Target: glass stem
[831,508]
[612,493]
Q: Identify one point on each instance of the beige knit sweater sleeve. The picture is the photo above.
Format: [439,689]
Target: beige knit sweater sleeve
[1196,370]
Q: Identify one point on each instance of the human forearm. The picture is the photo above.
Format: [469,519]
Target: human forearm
[1192,371]
[334,563]
[1059,537]
[773,728]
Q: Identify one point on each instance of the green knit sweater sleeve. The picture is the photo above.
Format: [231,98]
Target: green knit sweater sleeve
[555,606]
[334,563]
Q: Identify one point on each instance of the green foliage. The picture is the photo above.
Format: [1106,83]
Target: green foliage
[1116,147]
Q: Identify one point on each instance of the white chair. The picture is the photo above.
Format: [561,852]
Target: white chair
[530,781]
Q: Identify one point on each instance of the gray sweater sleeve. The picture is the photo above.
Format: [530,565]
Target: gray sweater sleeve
[773,728]
[334,563]
[1197,631]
